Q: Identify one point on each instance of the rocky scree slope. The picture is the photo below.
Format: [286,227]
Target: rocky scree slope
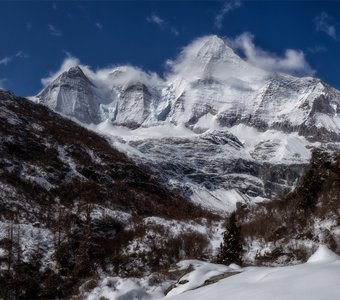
[70,204]
[217,129]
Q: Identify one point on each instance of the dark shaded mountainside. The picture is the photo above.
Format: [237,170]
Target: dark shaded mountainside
[70,203]
[289,228]
[47,159]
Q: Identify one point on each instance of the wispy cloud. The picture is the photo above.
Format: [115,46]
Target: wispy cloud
[8,59]
[29,26]
[227,7]
[54,6]
[317,49]
[54,30]
[153,18]
[161,23]
[323,24]
[292,62]
[99,26]
[174,30]
[21,54]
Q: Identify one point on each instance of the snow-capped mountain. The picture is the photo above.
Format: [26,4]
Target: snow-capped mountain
[124,101]
[215,127]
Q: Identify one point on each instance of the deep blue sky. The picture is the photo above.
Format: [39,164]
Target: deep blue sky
[35,36]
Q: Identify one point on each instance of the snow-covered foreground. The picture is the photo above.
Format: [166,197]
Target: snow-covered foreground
[318,279]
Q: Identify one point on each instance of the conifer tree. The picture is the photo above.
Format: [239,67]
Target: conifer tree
[231,248]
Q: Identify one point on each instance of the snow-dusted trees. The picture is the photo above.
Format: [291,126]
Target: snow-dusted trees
[231,248]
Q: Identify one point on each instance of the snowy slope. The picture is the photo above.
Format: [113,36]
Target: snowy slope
[317,279]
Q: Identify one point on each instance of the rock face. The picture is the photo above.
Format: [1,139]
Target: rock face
[72,94]
[214,169]
[212,92]
[135,97]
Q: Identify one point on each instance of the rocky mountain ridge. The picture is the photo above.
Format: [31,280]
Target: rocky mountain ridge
[211,81]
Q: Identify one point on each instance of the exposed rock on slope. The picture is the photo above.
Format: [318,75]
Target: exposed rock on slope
[55,158]
[70,204]
[218,164]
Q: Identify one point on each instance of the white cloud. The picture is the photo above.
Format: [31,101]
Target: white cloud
[292,62]
[99,26]
[122,75]
[105,77]
[54,30]
[227,7]
[322,23]
[155,19]
[8,59]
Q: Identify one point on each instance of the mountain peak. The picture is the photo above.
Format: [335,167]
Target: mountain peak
[210,56]
[73,94]
[214,48]
[74,73]
[215,42]
[76,69]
